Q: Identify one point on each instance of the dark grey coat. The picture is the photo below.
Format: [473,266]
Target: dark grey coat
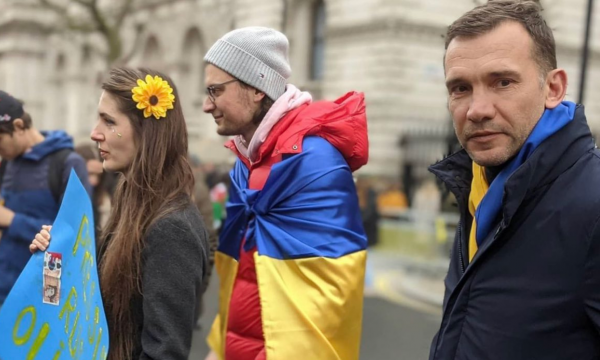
[174,264]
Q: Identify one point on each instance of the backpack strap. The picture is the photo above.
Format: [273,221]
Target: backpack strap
[55,172]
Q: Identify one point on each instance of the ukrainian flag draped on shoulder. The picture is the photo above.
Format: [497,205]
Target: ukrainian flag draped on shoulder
[485,200]
[310,260]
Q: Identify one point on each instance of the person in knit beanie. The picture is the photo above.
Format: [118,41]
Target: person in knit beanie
[291,256]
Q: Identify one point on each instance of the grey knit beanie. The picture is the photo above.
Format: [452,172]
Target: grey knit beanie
[255,55]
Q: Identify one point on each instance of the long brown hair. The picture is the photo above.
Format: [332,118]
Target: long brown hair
[158,182]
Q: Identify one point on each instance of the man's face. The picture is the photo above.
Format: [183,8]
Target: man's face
[496,93]
[233,107]
[12,145]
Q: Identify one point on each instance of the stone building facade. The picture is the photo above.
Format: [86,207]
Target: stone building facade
[390,49]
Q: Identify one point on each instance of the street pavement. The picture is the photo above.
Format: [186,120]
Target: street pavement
[401,313]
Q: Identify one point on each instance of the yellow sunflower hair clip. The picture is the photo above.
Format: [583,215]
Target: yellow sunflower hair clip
[154,96]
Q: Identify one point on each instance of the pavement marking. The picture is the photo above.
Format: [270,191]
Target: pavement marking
[386,290]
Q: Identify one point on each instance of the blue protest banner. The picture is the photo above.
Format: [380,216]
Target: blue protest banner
[55,311]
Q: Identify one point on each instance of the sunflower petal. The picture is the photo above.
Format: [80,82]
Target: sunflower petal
[153,86]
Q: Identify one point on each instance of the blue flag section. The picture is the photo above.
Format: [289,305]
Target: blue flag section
[55,311]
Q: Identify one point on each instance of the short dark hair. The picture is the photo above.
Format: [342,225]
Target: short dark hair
[528,13]
[9,128]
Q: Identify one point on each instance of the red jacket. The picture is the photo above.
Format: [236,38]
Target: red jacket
[343,124]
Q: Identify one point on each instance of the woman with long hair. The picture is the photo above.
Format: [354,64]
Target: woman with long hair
[153,252]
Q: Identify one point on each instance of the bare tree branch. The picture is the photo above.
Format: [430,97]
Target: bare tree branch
[125,10]
[111,34]
[83,27]
[110,31]
[85,3]
[52,6]
[136,43]
[70,22]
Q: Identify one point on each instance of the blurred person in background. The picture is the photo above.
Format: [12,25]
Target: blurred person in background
[211,174]
[101,202]
[217,180]
[218,198]
[524,276]
[426,205]
[367,200]
[392,198]
[291,254]
[33,175]
[152,254]
[203,202]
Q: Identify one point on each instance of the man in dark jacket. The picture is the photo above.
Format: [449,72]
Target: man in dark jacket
[30,194]
[524,277]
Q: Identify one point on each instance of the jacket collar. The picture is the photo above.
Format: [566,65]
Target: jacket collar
[552,157]
[343,123]
[268,147]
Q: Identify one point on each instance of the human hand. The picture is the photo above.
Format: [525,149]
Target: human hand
[41,240]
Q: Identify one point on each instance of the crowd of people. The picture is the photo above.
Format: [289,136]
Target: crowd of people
[290,247]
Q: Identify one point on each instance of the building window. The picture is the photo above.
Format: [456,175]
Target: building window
[86,54]
[192,64]
[318,41]
[152,54]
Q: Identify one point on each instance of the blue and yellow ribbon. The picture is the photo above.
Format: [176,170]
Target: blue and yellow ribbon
[485,201]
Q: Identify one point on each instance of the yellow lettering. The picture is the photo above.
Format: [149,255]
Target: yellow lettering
[73,348]
[21,340]
[83,239]
[59,351]
[68,307]
[39,341]
[86,268]
[81,342]
[91,330]
[98,343]
[103,353]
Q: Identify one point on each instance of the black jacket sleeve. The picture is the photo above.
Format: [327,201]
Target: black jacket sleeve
[174,262]
[591,282]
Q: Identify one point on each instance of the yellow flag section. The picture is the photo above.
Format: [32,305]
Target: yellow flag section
[311,307]
[479,187]
[227,268]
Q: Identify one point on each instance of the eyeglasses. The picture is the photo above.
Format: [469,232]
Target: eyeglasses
[211,90]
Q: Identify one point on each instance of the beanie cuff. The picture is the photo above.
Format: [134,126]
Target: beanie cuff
[247,68]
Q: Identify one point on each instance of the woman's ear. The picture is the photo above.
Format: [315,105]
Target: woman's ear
[556,87]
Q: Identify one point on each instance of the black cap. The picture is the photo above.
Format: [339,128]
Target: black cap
[10,108]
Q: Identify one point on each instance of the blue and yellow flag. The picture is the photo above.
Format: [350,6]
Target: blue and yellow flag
[55,309]
[310,259]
